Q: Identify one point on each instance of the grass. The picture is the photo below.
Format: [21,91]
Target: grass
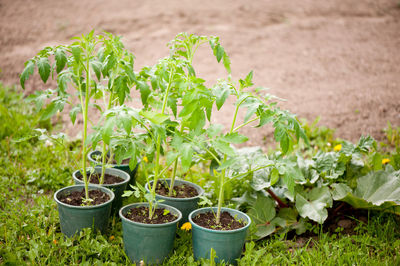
[30,172]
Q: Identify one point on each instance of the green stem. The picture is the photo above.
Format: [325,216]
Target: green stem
[85,120]
[222,177]
[158,147]
[104,151]
[244,124]
[171,185]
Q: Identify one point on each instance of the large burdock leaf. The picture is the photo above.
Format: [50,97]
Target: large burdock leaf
[262,214]
[376,190]
[314,203]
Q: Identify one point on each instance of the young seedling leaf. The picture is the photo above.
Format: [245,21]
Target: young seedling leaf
[44,68]
[28,71]
[61,59]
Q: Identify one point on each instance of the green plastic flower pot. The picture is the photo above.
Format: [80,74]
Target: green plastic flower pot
[74,218]
[124,167]
[184,205]
[151,243]
[228,245]
[117,188]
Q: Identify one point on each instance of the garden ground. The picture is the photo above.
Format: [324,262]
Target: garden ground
[337,59]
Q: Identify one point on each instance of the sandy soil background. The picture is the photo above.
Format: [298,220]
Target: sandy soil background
[338,59]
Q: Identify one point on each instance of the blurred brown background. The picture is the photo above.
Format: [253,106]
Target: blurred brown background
[338,59]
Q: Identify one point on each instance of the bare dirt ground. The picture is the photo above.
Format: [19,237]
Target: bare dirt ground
[337,59]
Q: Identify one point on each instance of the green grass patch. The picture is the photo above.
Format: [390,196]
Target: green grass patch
[31,170]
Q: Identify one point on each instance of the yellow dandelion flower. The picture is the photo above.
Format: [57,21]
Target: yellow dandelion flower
[145,159]
[337,147]
[186,226]
[385,161]
[55,241]
[111,238]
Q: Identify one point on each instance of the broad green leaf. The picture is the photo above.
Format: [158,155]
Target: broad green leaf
[251,110]
[340,191]
[44,68]
[61,59]
[262,213]
[235,138]
[28,71]
[378,188]
[314,203]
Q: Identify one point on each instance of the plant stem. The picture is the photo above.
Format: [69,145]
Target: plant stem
[277,199]
[222,178]
[171,185]
[85,119]
[244,124]
[104,151]
[157,166]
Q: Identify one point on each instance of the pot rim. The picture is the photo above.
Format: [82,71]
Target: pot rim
[126,180]
[138,204]
[205,209]
[199,189]
[113,165]
[91,187]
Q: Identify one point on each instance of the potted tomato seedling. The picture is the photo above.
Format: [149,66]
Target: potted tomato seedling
[222,229]
[174,82]
[75,67]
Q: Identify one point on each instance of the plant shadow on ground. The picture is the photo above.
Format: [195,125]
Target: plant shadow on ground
[30,171]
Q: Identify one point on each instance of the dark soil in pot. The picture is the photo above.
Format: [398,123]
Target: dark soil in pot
[227,222]
[75,198]
[181,191]
[108,179]
[141,215]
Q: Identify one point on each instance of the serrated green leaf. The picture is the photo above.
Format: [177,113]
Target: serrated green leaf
[107,130]
[223,147]
[96,66]
[227,63]
[154,117]
[144,91]
[28,71]
[186,156]
[73,112]
[44,68]
[274,176]
[76,53]
[221,93]
[61,59]
[235,138]
[189,109]
[219,52]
